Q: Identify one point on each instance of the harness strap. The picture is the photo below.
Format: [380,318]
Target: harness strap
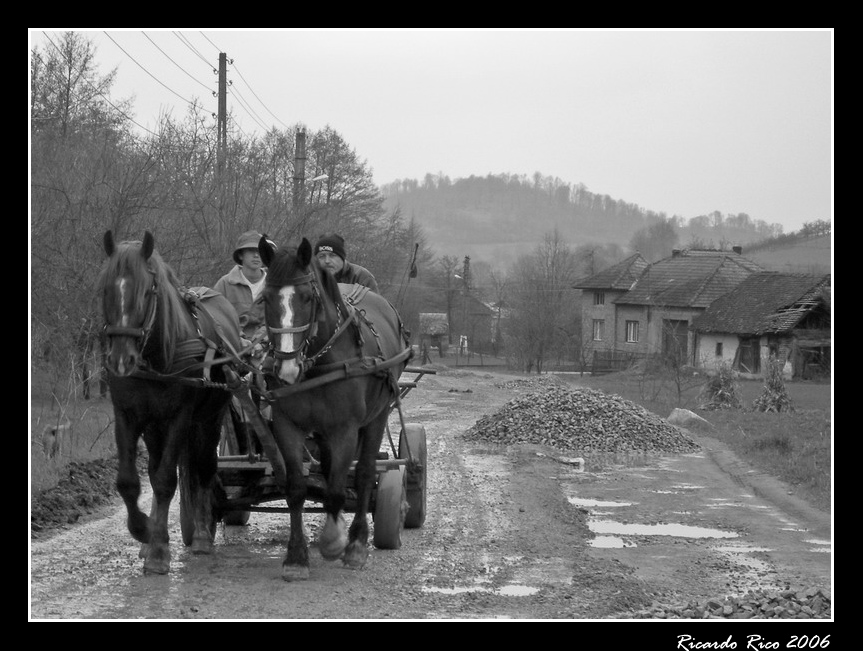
[350,369]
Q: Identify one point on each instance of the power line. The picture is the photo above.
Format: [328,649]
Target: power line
[258,98]
[185,41]
[247,108]
[177,64]
[147,71]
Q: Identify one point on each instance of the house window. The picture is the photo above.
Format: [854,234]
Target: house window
[599,298]
[598,326]
[719,349]
[632,332]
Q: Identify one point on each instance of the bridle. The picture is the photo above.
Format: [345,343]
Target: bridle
[303,362]
[140,334]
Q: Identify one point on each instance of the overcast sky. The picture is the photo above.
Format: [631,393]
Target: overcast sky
[681,122]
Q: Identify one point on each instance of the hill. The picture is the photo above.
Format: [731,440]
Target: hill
[809,255]
[497,218]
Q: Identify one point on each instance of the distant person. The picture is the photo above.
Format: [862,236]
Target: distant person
[330,252]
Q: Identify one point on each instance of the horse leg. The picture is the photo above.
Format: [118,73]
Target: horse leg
[337,452]
[290,439]
[357,551]
[128,483]
[163,478]
[201,467]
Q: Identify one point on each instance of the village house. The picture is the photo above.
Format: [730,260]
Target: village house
[634,309]
[769,316]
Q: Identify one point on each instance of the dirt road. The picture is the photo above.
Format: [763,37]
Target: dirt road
[518,532]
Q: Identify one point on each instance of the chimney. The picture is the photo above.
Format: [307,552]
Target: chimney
[737,249]
[675,253]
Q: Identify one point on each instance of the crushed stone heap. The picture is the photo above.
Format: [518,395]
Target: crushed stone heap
[580,420]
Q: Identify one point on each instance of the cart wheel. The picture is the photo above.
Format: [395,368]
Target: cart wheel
[229,445]
[413,436]
[389,509]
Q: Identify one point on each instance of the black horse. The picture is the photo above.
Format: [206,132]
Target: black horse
[156,345]
[335,370]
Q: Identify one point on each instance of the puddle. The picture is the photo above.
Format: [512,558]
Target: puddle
[823,546]
[610,542]
[672,529]
[577,501]
[505,591]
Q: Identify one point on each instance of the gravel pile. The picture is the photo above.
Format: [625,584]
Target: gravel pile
[812,603]
[581,420]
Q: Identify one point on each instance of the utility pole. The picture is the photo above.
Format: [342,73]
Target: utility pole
[299,169]
[463,343]
[223,112]
[222,139]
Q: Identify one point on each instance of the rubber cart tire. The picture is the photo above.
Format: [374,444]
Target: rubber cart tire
[389,509]
[413,438]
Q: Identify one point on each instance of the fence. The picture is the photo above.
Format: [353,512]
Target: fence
[609,361]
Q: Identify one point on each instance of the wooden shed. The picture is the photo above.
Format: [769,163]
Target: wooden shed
[434,331]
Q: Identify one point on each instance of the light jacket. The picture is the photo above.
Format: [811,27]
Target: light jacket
[234,287]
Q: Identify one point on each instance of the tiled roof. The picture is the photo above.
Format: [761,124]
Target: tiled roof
[689,278]
[619,276]
[765,302]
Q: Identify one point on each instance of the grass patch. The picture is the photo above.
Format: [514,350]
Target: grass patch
[793,445]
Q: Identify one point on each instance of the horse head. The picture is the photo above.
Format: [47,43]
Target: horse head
[302,304]
[127,285]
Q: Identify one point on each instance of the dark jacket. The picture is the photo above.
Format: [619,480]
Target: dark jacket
[354,273]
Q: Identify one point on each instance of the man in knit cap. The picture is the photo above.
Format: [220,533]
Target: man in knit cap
[330,252]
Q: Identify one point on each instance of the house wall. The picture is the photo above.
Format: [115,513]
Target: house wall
[655,318]
[632,313]
[705,353]
[780,346]
[590,312]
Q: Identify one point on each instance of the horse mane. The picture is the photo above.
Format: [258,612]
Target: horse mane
[128,261]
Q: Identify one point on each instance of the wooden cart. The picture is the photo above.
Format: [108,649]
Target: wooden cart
[254,482]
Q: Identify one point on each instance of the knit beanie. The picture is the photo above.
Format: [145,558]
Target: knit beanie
[334,243]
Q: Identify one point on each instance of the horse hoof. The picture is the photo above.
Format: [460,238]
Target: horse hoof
[156,567]
[295,573]
[333,538]
[333,551]
[355,557]
[202,546]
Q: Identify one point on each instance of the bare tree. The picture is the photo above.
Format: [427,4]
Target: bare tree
[542,302]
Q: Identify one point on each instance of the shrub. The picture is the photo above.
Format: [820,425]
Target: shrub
[721,390]
[775,395]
